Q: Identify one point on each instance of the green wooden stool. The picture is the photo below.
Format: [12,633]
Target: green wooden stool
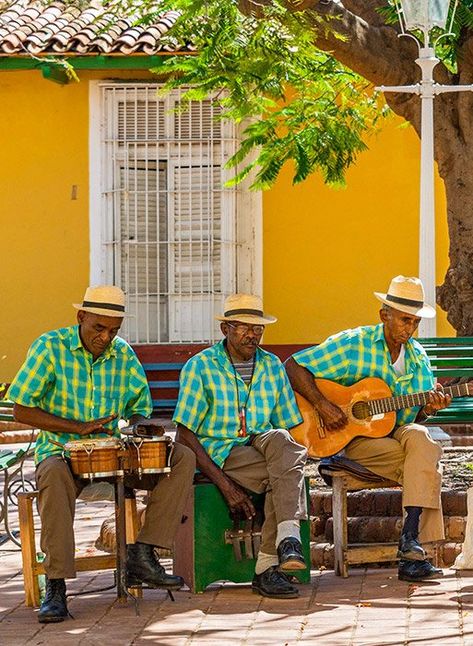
[204,551]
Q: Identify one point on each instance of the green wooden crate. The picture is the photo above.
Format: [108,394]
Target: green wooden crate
[201,555]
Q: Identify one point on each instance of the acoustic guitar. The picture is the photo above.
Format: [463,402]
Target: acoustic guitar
[369,406]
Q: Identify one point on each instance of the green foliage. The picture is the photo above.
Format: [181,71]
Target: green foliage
[446,47]
[300,103]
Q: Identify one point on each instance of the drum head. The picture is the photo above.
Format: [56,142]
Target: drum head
[95,443]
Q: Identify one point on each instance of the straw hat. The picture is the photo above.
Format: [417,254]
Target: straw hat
[104,300]
[407,295]
[245,308]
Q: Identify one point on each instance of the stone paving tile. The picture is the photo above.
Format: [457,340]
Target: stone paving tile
[369,608]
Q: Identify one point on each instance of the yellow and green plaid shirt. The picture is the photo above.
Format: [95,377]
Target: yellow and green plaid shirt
[60,377]
[208,402]
[349,356]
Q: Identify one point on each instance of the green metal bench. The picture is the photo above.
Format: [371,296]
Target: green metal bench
[452,358]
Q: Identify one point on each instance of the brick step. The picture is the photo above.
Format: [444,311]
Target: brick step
[462,440]
[461,429]
[381,502]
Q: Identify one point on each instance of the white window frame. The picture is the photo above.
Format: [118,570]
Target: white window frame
[247,211]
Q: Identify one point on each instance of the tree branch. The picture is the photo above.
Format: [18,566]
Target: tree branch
[366,9]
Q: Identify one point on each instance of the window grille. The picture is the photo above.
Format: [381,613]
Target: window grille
[169,226]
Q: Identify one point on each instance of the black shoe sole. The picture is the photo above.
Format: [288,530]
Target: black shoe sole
[287,595]
[403,577]
[136,583]
[51,620]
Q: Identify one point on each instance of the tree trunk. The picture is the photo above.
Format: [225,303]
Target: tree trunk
[454,155]
[455,296]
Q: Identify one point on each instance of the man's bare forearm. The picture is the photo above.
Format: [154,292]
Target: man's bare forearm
[303,382]
[39,418]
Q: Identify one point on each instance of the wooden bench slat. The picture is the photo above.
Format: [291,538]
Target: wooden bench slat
[163,384]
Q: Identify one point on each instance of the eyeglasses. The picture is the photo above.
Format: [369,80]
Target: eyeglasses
[244,328]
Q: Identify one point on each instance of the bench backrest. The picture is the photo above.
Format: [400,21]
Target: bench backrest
[163,363]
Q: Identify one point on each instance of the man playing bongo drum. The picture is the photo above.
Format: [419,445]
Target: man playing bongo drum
[78,382]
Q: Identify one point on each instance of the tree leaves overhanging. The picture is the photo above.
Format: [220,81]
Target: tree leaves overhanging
[301,103]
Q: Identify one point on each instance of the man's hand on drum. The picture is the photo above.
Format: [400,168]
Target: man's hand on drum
[237,500]
[95,426]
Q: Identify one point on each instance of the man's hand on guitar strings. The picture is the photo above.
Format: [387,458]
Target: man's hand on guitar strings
[437,400]
[333,417]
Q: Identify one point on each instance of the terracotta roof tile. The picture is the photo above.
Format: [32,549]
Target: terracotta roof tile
[30,27]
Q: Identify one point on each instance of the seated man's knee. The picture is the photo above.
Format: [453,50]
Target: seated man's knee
[418,438]
[285,442]
[184,457]
[53,471]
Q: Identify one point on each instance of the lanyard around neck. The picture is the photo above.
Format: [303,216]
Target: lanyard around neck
[242,407]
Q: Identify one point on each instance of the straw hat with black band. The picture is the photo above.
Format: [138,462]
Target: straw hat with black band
[245,308]
[406,294]
[103,300]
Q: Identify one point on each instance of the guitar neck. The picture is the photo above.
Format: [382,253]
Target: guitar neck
[389,404]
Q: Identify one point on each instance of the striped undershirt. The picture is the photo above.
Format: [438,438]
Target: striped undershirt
[244,369]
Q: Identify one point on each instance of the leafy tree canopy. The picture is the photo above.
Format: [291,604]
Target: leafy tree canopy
[264,69]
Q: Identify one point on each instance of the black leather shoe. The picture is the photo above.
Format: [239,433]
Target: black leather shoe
[54,607]
[142,566]
[410,548]
[274,584]
[290,554]
[417,571]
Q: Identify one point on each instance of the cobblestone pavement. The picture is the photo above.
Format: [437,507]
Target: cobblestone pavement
[371,607]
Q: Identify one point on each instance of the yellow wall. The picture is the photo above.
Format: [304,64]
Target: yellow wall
[324,251]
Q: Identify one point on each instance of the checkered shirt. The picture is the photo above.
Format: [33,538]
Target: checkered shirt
[349,356]
[60,377]
[208,405]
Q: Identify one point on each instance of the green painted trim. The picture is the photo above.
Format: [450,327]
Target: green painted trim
[85,62]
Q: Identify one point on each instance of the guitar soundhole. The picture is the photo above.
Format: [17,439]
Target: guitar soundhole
[361,410]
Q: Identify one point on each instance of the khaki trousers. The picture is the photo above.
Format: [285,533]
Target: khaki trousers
[58,490]
[409,456]
[272,464]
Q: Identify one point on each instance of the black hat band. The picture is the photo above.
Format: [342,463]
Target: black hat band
[404,301]
[233,312]
[104,306]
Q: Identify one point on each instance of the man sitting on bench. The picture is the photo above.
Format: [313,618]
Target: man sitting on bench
[234,405]
[409,455]
[78,382]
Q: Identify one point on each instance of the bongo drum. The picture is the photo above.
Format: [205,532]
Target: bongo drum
[95,458]
[148,455]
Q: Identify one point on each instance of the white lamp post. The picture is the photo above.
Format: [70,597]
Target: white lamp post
[423,15]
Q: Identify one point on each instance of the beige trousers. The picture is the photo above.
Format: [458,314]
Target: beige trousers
[272,464]
[58,490]
[408,456]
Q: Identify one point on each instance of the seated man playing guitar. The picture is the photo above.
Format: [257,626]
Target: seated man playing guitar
[407,455]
